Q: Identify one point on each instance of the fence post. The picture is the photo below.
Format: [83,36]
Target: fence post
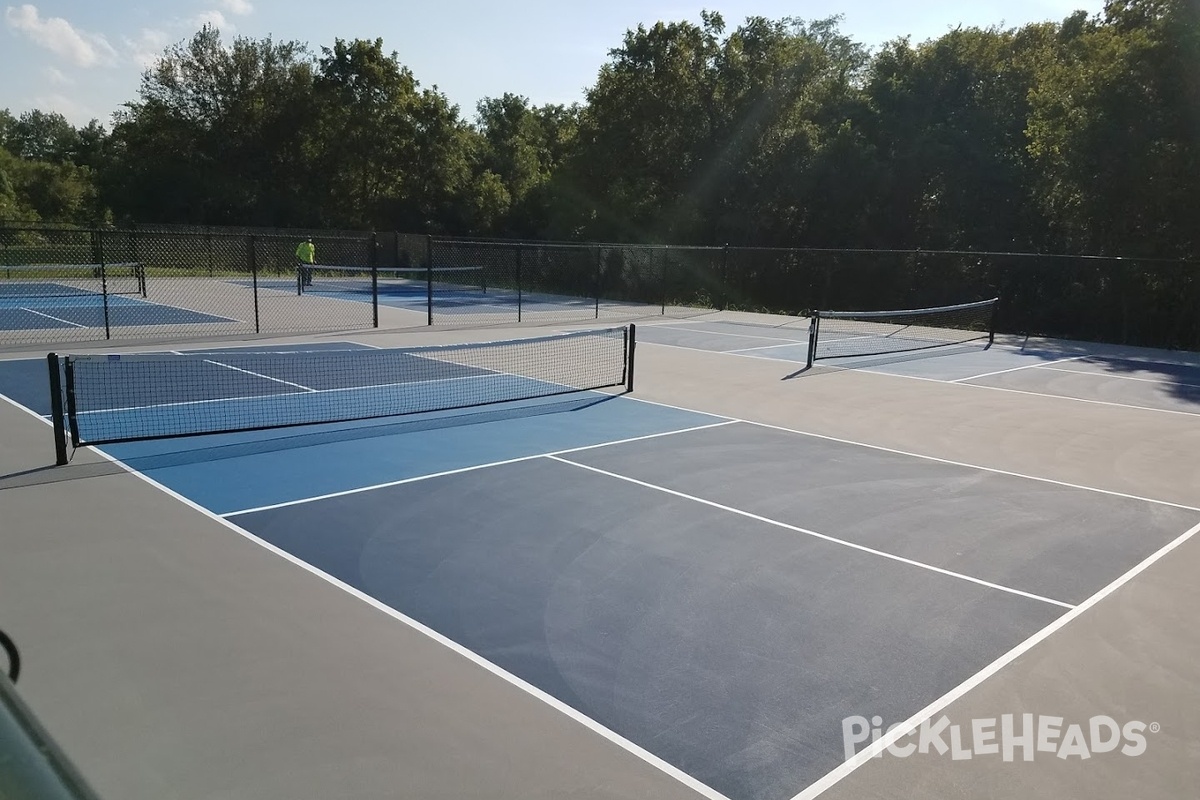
[666,264]
[209,239]
[519,249]
[429,278]
[723,301]
[596,279]
[250,242]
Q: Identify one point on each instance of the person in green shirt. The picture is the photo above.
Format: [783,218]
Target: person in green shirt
[305,255]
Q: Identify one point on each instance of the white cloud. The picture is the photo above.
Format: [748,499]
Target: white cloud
[239,8]
[58,36]
[148,47]
[58,78]
[77,113]
[214,18]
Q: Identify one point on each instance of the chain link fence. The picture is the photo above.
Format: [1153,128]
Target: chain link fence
[67,284]
[71,285]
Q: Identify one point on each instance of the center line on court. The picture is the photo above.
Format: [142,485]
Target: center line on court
[475,467]
[258,375]
[1040,364]
[814,534]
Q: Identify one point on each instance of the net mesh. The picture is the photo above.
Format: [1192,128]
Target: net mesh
[842,334]
[414,282]
[115,398]
[71,280]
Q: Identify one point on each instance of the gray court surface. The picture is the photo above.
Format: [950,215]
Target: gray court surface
[972,533]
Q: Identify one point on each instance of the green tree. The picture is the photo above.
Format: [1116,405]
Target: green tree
[948,125]
[32,191]
[1113,130]
[690,135]
[44,136]
[523,146]
[218,135]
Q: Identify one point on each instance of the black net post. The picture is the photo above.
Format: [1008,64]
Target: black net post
[72,406]
[992,324]
[139,267]
[251,246]
[630,346]
[56,410]
[429,279]
[814,326]
[103,283]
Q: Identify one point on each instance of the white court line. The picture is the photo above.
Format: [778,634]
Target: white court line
[912,723]
[1123,377]
[766,347]
[807,532]
[1017,369]
[50,316]
[1046,394]
[739,336]
[475,467]
[955,382]
[501,673]
[715,352]
[143,301]
[936,459]
[258,375]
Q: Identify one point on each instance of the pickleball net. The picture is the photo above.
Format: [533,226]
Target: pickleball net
[389,281]
[845,334]
[72,280]
[108,398]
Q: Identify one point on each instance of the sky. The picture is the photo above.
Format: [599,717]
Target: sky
[84,58]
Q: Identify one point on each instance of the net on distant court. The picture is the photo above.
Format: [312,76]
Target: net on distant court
[843,334]
[72,280]
[118,398]
[389,281]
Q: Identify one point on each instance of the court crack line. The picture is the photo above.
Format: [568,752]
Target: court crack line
[807,532]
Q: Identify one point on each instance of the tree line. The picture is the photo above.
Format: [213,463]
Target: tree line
[1080,136]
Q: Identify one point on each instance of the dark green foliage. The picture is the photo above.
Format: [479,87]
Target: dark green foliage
[1074,137]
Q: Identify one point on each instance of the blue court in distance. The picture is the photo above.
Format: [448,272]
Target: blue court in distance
[47,305]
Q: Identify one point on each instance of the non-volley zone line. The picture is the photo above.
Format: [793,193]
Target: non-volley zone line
[51,316]
[487,465]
